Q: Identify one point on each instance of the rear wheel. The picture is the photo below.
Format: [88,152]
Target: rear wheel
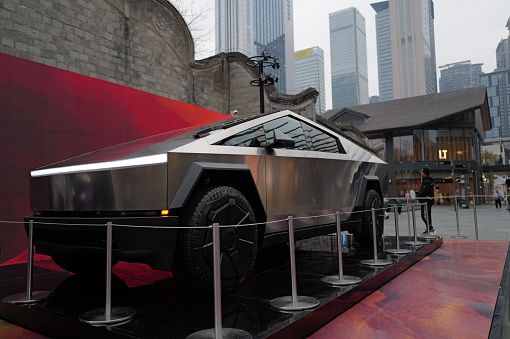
[194,263]
[371,200]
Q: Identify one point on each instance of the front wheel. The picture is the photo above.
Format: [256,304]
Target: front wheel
[238,245]
[371,200]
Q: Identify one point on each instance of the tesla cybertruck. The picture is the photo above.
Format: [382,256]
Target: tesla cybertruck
[256,171]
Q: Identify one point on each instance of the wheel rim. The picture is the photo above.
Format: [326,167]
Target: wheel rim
[238,243]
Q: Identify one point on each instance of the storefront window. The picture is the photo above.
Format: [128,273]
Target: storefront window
[431,145]
[404,150]
[444,151]
[418,145]
[462,145]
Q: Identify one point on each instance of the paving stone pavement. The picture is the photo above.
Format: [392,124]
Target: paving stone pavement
[492,223]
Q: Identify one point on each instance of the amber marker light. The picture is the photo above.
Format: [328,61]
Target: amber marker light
[164,213]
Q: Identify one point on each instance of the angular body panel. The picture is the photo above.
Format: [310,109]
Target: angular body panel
[322,173]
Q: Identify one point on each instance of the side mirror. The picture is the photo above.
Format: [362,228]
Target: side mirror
[281,140]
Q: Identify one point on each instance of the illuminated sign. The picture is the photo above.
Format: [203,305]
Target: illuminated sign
[442,153]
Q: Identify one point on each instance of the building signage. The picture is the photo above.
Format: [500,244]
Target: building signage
[443,153]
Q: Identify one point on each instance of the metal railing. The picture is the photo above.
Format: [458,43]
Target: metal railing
[118,315]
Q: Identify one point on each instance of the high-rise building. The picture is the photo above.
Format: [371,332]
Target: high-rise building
[252,26]
[309,65]
[459,75]
[503,52]
[405,48]
[498,89]
[349,70]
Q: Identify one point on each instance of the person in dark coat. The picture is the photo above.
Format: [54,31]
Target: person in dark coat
[426,195]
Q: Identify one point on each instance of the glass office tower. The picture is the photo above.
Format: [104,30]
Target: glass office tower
[309,64]
[503,52]
[349,70]
[459,75]
[252,26]
[405,48]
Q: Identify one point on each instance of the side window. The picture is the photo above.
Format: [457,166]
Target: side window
[290,127]
[322,141]
[253,137]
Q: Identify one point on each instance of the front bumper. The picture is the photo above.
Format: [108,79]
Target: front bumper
[149,240]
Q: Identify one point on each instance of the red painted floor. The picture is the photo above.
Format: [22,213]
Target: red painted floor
[449,294]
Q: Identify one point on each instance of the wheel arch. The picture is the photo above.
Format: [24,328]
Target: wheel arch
[368,182]
[238,176]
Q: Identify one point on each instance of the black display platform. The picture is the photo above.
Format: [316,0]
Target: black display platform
[167,310]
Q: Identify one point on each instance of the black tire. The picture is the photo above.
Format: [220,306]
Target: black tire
[371,200]
[194,260]
[79,264]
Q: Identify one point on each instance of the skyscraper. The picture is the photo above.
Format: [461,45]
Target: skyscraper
[498,91]
[252,26]
[309,64]
[498,87]
[405,48]
[459,75]
[503,51]
[349,70]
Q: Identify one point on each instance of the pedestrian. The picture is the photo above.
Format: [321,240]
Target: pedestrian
[457,200]
[425,195]
[497,199]
[399,205]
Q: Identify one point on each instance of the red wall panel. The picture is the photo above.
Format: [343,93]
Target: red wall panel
[48,114]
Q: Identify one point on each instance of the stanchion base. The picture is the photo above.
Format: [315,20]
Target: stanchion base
[372,262]
[427,236]
[415,243]
[346,280]
[301,303]
[97,317]
[458,237]
[400,251]
[227,333]
[21,298]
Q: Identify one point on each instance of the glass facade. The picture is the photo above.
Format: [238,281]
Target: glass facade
[459,75]
[349,67]
[498,95]
[434,145]
[252,26]
[309,64]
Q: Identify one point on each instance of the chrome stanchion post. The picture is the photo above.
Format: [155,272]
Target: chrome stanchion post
[398,250]
[293,302]
[415,242]
[458,236]
[340,279]
[108,315]
[474,216]
[375,262]
[30,296]
[218,332]
[408,220]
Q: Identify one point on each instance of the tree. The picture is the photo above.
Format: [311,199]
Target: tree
[489,158]
[196,15]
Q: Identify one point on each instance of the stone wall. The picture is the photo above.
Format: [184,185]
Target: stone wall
[143,44]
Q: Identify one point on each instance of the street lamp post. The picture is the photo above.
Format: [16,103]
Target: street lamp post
[262,61]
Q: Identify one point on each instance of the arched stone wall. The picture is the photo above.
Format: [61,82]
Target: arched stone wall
[143,44]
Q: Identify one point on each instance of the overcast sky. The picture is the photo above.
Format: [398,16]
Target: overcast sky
[464,30]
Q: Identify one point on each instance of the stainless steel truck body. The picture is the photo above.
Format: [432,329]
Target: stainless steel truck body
[260,170]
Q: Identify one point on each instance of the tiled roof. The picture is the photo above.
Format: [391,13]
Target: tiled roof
[416,112]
